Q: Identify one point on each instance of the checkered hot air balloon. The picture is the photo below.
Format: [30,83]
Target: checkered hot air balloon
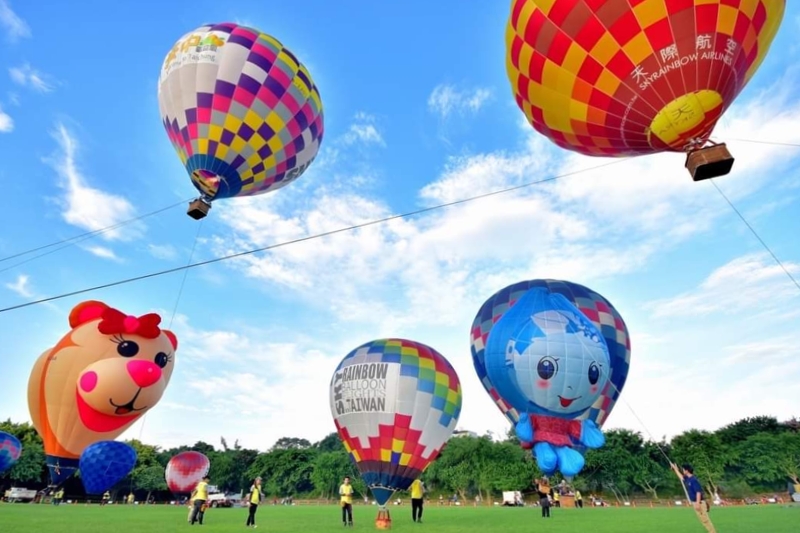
[395,403]
[10,450]
[104,464]
[185,470]
[633,77]
[599,311]
[241,111]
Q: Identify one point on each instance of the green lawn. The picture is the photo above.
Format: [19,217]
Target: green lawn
[25,518]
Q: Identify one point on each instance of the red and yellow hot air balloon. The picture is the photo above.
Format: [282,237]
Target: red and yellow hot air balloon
[633,77]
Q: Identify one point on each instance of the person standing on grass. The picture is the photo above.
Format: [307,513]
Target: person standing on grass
[346,492]
[695,492]
[199,497]
[578,499]
[255,499]
[543,490]
[417,493]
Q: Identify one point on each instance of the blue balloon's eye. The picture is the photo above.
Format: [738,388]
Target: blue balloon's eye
[594,373]
[546,368]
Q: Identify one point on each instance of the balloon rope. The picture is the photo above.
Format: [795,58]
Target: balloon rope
[177,301]
[79,238]
[753,231]
[652,438]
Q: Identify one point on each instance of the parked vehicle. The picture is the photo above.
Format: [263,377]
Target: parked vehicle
[18,494]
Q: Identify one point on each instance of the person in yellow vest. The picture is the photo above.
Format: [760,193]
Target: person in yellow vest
[131,499]
[346,492]
[58,497]
[417,492]
[254,500]
[578,499]
[556,498]
[199,498]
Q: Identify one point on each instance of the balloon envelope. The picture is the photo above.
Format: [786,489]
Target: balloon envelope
[240,109]
[628,78]
[395,403]
[10,450]
[105,373]
[593,306]
[185,470]
[104,464]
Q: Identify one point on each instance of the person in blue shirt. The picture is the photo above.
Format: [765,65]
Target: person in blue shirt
[695,492]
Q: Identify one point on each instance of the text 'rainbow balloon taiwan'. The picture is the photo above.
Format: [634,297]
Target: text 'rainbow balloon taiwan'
[10,450]
[395,403]
[560,318]
[100,378]
[241,111]
[622,77]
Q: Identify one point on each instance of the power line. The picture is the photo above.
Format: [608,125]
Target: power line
[310,237]
[754,232]
[85,235]
[774,143]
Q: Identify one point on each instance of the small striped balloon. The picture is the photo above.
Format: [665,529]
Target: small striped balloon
[10,450]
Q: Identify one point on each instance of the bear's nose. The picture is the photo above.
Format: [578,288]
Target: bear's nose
[144,373]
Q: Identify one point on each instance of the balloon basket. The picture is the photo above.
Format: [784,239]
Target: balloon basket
[384,520]
[198,208]
[709,162]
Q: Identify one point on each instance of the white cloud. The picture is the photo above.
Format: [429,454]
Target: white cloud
[13,98]
[15,27]
[27,76]
[447,99]
[166,252]
[85,206]
[364,131]
[103,252]
[21,286]
[746,284]
[6,122]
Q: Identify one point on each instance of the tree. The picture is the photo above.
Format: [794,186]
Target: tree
[331,443]
[150,478]
[290,443]
[705,452]
[329,470]
[745,428]
[285,472]
[31,466]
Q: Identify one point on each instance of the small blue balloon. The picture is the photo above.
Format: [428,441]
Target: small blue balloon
[10,450]
[104,464]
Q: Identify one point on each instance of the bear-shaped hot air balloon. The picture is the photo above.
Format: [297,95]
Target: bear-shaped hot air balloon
[100,378]
[626,78]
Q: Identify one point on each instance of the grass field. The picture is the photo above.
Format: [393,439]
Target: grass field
[27,518]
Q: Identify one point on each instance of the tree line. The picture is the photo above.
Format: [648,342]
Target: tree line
[751,456]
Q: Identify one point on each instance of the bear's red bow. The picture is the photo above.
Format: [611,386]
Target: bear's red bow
[115,323]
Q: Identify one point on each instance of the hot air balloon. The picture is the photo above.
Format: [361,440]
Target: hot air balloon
[104,464]
[100,378]
[594,307]
[395,403]
[10,450]
[621,78]
[185,470]
[241,111]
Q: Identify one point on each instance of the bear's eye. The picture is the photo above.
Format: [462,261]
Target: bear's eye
[546,368]
[594,373]
[127,348]
[161,359]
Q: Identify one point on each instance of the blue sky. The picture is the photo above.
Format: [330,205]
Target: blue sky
[410,122]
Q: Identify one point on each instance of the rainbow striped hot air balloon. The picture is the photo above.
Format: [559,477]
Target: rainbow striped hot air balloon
[395,403]
[632,77]
[241,111]
[10,450]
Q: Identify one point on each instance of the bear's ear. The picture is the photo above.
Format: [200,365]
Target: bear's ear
[172,338]
[86,312]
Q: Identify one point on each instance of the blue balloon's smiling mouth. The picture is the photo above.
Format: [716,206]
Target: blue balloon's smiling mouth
[566,402]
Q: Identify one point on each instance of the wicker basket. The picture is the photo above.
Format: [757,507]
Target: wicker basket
[198,209]
[709,162]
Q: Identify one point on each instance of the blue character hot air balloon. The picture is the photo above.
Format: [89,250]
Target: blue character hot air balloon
[551,363]
[10,450]
[104,464]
